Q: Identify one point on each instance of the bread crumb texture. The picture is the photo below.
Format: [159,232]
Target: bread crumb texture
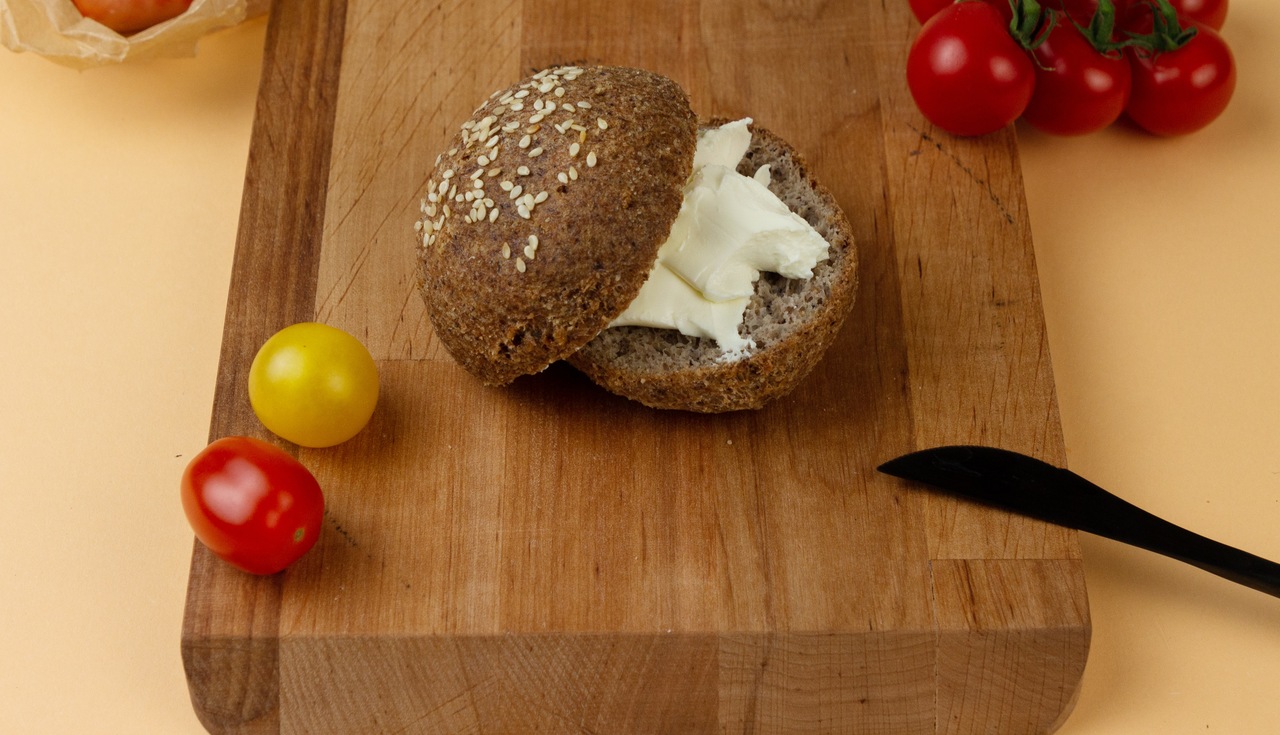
[543,216]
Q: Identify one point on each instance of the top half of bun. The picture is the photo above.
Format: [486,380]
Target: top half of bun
[585,169]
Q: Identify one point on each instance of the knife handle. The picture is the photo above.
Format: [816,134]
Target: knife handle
[1122,521]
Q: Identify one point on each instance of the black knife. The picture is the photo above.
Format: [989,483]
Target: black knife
[1030,487]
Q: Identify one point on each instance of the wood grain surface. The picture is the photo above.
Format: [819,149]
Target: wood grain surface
[552,558]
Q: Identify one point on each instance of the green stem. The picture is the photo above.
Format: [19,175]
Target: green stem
[1167,32]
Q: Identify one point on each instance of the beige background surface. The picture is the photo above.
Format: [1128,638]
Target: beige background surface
[119,194]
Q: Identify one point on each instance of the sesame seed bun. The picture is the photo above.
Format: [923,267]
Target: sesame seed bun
[791,321]
[566,211]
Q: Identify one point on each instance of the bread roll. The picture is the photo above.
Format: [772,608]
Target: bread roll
[544,218]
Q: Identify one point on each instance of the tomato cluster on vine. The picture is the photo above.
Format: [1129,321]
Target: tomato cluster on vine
[1070,67]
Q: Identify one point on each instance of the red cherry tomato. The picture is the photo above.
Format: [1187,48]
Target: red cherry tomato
[1212,13]
[926,9]
[966,73]
[1078,89]
[1181,91]
[1135,15]
[130,16]
[252,504]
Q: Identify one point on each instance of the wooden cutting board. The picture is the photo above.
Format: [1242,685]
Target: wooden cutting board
[552,558]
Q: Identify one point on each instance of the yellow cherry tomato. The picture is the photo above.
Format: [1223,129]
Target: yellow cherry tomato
[313,384]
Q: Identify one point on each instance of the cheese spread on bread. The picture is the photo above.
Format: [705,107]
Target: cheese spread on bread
[730,229]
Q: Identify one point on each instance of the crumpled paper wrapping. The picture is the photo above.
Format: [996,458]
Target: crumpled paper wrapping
[56,30]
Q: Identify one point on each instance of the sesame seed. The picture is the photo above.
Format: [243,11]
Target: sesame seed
[511,126]
[524,142]
[487,202]
[470,195]
[537,104]
[562,177]
[493,214]
[453,189]
[522,210]
[542,197]
[517,107]
[516,191]
[573,174]
[468,125]
[591,159]
[448,174]
[567,107]
[520,265]
[432,196]
[458,198]
[584,105]
[438,157]
[523,171]
[522,94]
[529,251]
[535,152]
[600,123]
[480,210]
[492,172]
[447,212]
[573,150]
[491,142]
[477,173]
[533,241]
[417,226]
[506,250]
[559,91]
[545,87]
[533,129]
[453,151]
[480,184]
[582,136]
[506,185]
[537,118]
[483,160]
[467,219]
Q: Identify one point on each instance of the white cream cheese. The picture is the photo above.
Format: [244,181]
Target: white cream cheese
[730,228]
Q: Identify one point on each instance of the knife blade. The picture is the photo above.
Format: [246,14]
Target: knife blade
[1031,487]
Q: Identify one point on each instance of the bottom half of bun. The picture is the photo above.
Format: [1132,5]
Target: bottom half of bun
[791,322]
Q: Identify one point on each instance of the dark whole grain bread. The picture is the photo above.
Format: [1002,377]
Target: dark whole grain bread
[585,169]
[792,322]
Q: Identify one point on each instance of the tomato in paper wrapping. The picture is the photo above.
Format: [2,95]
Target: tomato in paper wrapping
[127,17]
